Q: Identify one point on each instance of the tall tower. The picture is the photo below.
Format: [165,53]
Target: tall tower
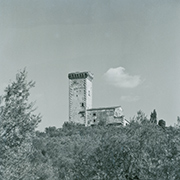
[80,96]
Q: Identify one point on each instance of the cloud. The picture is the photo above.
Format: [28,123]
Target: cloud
[119,78]
[130,98]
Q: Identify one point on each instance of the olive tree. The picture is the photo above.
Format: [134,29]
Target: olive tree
[17,128]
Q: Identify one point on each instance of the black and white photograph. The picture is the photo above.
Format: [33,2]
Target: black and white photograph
[89,89]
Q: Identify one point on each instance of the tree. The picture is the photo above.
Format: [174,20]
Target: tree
[162,123]
[178,120]
[136,151]
[17,127]
[153,117]
[140,118]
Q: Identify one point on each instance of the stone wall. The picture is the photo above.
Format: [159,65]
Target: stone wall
[110,115]
[80,96]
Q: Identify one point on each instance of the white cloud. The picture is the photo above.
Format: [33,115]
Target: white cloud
[119,78]
[130,98]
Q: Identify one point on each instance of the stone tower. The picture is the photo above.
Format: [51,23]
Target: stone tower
[80,96]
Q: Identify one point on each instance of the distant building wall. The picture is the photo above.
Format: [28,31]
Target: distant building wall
[88,93]
[106,116]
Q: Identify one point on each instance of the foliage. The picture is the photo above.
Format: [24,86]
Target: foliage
[17,128]
[162,123]
[153,117]
[137,151]
[178,121]
[140,118]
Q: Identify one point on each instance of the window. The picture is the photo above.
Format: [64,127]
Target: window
[82,113]
[82,104]
[94,114]
[94,120]
[88,93]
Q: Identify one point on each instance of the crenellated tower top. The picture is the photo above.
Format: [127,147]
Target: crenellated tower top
[81,75]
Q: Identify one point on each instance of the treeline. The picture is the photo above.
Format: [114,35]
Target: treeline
[144,149]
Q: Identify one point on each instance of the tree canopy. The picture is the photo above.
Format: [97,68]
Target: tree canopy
[17,127]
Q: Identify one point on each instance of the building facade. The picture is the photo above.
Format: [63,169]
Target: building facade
[80,103]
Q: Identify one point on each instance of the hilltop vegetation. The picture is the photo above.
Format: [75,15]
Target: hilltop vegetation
[141,150]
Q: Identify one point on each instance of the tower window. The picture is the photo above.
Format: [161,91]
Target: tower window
[94,114]
[82,104]
[82,113]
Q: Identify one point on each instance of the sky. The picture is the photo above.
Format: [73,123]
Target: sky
[131,46]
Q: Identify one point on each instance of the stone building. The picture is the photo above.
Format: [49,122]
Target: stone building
[80,103]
